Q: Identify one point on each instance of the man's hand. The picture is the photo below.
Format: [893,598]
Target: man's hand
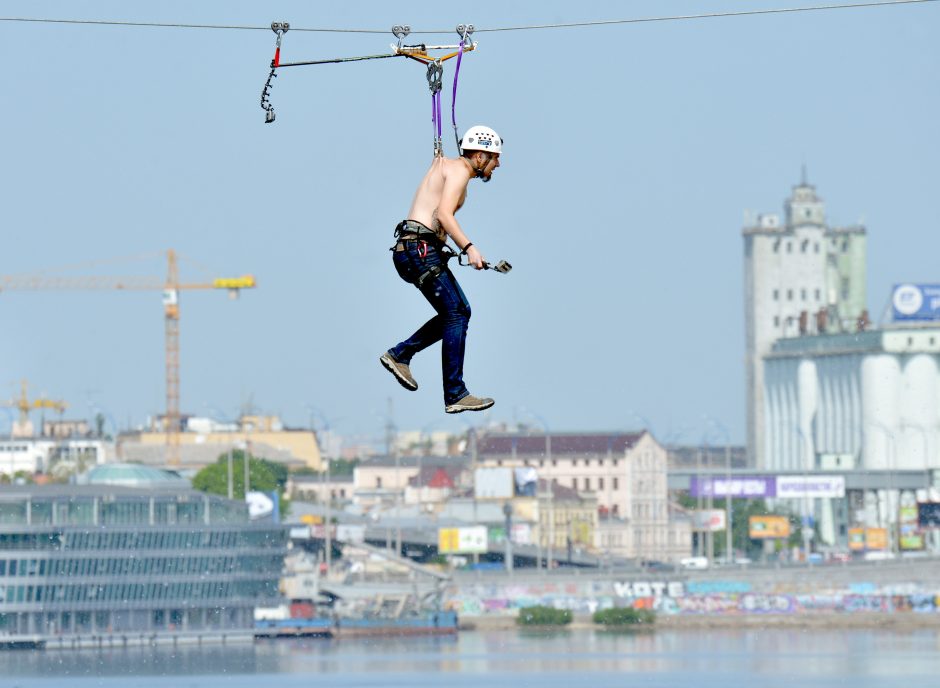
[475,258]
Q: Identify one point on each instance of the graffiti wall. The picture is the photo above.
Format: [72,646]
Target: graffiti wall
[693,597]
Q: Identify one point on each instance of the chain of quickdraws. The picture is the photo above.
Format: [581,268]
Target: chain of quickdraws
[279,28]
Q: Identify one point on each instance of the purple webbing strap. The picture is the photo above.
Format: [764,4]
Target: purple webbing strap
[437,106]
[453,100]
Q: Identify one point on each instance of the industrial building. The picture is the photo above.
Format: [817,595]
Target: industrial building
[800,276]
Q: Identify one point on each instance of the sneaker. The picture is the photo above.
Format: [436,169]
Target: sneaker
[469,403]
[401,372]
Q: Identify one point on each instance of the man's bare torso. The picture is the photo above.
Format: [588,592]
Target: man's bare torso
[428,196]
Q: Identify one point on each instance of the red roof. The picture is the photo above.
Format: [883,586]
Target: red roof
[436,476]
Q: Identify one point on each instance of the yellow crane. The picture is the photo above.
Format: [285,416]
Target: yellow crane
[171,287]
[25,405]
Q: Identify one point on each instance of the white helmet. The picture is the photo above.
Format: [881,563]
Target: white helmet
[482,139]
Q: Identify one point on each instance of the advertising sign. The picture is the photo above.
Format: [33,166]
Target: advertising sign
[763,527]
[522,533]
[472,540]
[447,541]
[876,538]
[857,539]
[928,514]
[708,519]
[751,486]
[909,538]
[916,302]
[461,540]
[494,483]
[792,486]
[351,533]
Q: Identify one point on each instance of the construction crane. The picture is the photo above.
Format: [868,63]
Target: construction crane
[23,403]
[171,288]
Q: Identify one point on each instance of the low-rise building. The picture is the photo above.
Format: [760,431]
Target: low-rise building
[625,472]
[337,489]
[203,441]
[41,455]
[384,479]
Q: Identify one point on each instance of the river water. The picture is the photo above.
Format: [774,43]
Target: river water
[507,659]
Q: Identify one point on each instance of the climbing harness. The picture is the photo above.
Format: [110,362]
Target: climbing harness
[425,237]
[421,53]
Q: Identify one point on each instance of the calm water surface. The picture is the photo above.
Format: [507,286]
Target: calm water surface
[725,659]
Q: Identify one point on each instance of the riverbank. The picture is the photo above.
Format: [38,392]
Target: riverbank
[897,622]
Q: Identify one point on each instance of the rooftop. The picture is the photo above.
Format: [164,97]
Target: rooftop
[561,443]
[132,475]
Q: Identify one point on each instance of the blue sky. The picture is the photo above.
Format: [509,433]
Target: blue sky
[632,154]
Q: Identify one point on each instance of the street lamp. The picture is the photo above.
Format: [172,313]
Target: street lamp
[507,512]
[891,461]
[728,511]
[551,492]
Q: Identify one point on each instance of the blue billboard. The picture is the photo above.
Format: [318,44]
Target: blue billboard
[916,302]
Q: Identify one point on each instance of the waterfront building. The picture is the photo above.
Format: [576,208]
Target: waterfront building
[108,564]
[800,276]
[204,440]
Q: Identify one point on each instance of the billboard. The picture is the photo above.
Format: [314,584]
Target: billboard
[494,483]
[909,536]
[708,519]
[764,527]
[876,538]
[792,486]
[928,514]
[750,486]
[857,539]
[461,540]
[915,302]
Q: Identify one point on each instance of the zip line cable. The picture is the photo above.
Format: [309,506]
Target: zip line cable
[533,27]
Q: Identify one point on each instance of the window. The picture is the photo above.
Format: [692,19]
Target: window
[789,247]
[845,288]
[816,247]
[845,246]
[777,246]
[803,294]
[587,483]
[776,294]
[600,483]
[378,481]
[804,245]
[789,294]
[818,295]
[616,482]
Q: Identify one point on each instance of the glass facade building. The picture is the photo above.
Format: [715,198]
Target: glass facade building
[112,561]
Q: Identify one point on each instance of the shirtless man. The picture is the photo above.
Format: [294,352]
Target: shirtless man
[419,260]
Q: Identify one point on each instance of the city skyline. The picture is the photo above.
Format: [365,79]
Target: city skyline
[630,281]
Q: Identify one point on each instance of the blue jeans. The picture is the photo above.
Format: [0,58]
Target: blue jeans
[449,325]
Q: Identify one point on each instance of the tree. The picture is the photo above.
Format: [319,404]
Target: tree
[263,476]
